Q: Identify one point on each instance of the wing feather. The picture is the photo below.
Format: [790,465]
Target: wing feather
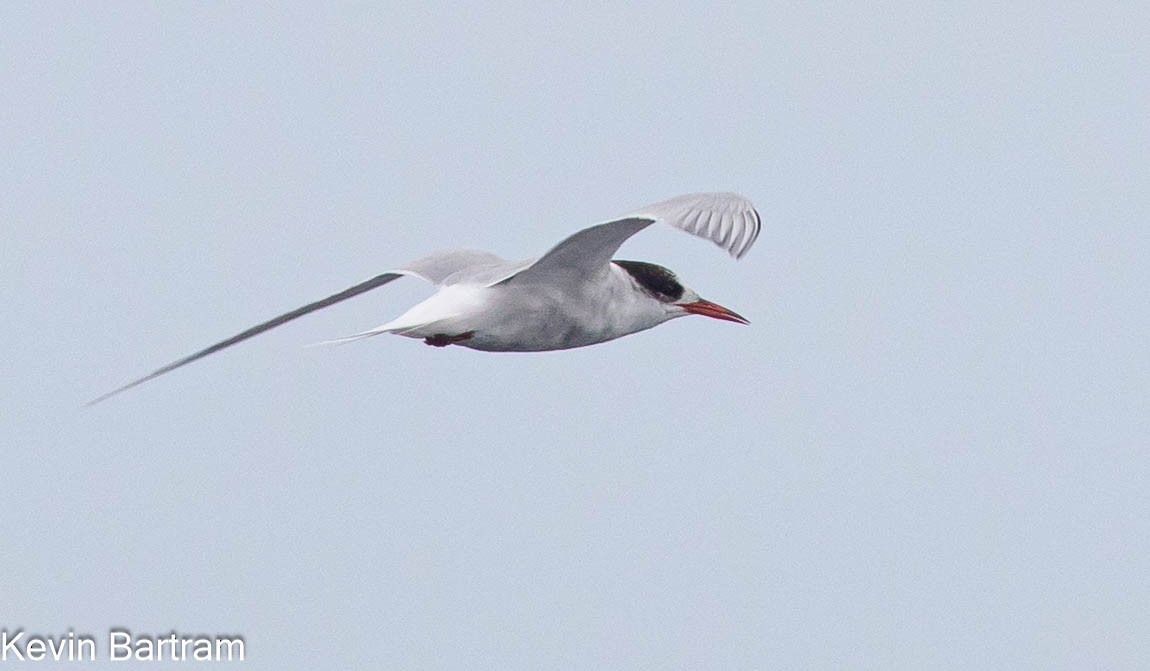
[726,219]
[726,229]
[377,281]
[444,268]
[453,266]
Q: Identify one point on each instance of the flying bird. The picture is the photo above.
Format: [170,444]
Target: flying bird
[572,296]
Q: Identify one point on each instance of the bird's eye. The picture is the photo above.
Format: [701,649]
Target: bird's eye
[655,279]
[673,291]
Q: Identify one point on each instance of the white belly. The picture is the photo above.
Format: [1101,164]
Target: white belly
[530,318]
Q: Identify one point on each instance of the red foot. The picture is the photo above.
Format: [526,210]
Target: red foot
[443,340]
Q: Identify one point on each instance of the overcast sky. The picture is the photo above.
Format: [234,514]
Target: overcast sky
[928,450]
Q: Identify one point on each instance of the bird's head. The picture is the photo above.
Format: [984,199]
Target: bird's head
[678,300]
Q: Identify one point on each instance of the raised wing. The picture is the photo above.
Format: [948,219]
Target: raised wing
[727,219]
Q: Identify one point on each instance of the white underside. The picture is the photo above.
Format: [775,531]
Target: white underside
[533,317]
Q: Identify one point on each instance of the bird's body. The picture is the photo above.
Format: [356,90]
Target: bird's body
[572,296]
[512,317]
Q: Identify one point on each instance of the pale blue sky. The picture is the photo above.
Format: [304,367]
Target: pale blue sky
[929,449]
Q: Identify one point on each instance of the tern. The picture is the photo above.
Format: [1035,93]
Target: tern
[573,296]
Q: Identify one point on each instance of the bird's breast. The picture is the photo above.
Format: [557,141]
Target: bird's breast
[540,317]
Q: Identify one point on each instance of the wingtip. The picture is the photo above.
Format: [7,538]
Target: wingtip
[103,397]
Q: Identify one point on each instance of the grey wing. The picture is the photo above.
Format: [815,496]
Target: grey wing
[452,267]
[377,281]
[440,269]
[727,219]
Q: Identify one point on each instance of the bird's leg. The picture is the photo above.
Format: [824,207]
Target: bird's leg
[443,340]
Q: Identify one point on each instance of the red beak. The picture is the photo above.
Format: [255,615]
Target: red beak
[714,310]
